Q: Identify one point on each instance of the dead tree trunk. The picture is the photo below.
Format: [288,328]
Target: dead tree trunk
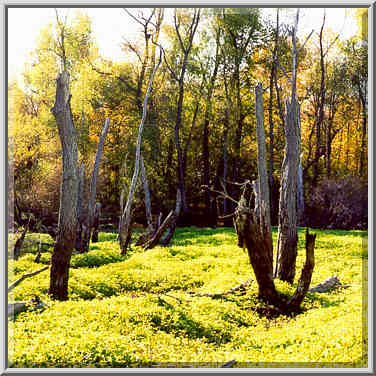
[19,242]
[320,118]
[287,225]
[80,200]
[126,218]
[88,223]
[147,195]
[263,202]
[251,236]
[96,220]
[287,218]
[170,232]
[66,236]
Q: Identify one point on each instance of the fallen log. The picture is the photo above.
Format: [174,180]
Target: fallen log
[329,284]
[33,305]
[242,286]
[155,239]
[228,364]
[14,284]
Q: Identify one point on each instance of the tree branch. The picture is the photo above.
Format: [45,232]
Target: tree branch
[16,283]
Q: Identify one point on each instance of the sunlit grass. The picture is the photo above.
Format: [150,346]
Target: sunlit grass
[136,310]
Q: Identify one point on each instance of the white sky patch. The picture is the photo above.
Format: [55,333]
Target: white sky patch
[111,25]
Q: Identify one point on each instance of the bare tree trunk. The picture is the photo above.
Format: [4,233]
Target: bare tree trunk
[225,144]
[262,181]
[88,226]
[287,231]
[321,108]
[271,123]
[287,219]
[66,236]
[147,195]
[125,220]
[80,214]
[205,136]
[19,242]
[96,221]
[251,236]
[170,232]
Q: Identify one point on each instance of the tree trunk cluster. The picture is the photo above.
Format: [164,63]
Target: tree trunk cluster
[167,228]
[252,236]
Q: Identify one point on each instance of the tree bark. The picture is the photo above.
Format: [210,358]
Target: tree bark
[263,201]
[66,236]
[205,136]
[96,221]
[271,123]
[145,183]
[19,242]
[80,214]
[287,239]
[251,236]
[171,229]
[88,226]
[321,108]
[126,218]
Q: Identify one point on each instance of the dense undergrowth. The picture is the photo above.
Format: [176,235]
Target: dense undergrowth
[136,310]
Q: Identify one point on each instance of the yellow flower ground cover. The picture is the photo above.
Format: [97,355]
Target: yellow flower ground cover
[136,310]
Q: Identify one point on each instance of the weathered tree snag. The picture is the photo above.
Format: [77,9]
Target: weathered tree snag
[305,279]
[149,233]
[145,183]
[126,218]
[80,214]
[320,118]
[271,123]
[87,228]
[66,237]
[287,217]
[19,242]
[263,203]
[205,136]
[287,239]
[162,228]
[168,224]
[96,220]
[251,236]
[170,232]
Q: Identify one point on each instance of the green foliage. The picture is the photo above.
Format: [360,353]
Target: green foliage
[136,311]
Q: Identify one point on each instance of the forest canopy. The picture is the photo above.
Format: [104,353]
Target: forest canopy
[200,127]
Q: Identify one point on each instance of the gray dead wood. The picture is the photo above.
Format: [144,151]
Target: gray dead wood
[228,364]
[145,184]
[19,242]
[34,304]
[80,211]
[162,228]
[287,239]
[171,229]
[96,221]
[126,218]
[242,286]
[16,283]
[67,226]
[263,199]
[89,222]
[329,284]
